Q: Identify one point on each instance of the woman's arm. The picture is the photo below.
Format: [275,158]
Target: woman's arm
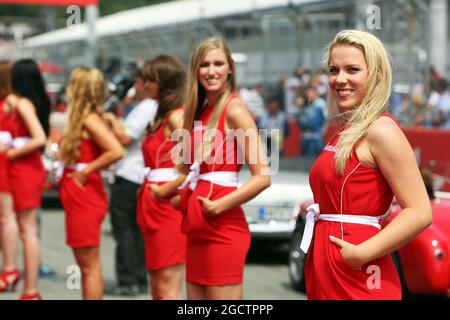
[118,130]
[238,118]
[395,158]
[27,112]
[168,189]
[103,137]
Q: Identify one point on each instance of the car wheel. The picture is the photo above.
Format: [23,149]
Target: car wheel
[297,258]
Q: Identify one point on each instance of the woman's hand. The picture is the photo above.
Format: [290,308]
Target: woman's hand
[211,208]
[79,177]
[175,201]
[350,253]
[157,191]
[11,153]
[3,148]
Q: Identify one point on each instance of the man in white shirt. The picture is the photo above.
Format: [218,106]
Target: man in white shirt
[130,254]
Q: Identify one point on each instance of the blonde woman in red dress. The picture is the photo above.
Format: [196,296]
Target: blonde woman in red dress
[218,236]
[355,178]
[87,147]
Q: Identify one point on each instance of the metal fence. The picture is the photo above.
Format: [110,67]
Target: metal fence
[270,44]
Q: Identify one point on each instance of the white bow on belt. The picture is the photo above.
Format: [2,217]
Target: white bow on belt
[313,213]
[193,176]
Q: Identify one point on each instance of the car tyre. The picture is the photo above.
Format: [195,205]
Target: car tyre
[297,258]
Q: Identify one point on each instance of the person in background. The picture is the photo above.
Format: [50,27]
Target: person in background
[311,120]
[275,121]
[130,267]
[87,146]
[253,99]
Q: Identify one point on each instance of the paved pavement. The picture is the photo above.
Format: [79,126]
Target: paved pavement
[59,257]
[262,281]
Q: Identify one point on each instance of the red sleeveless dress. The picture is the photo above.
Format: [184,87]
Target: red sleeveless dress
[5,127]
[160,223]
[359,191]
[217,246]
[27,173]
[85,207]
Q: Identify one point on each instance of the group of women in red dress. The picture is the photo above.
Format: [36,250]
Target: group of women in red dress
[189,207]
[199,229]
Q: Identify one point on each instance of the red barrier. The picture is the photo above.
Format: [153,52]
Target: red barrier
[432,145]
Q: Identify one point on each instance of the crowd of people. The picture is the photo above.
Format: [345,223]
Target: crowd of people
[176,208]
[418,108]
[300,100]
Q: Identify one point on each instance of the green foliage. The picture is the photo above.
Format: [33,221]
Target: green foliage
[108,7]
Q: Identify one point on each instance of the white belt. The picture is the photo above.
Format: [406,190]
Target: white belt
[5,138]
[59,167]
[314,214]
[222,178]
[160,175]
[20,142]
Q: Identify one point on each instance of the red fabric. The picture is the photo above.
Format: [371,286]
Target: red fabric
[4,126]
[365,192]
[53,2]
[217,246]
[26,174]
[160,223]
[85,207]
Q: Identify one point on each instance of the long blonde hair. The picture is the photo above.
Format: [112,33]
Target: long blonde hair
[374,103]
[86,94]
[196,95]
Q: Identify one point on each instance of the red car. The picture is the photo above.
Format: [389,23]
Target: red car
[423,264]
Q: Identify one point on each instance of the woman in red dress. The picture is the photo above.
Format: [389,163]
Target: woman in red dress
[218,237]
[355,178]
[28,111]
[9,233]
[87,147]
[160,223]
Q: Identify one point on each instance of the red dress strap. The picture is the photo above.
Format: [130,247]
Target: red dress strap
[221,124]
[386,114]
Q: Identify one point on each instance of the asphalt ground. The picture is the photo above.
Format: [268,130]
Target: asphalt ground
[265,276]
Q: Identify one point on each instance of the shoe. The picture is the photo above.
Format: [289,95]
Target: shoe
[46,273]
[32,296]
[9,280]
[122,290]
